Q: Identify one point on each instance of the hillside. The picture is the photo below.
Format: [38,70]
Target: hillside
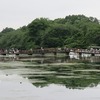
[75,31]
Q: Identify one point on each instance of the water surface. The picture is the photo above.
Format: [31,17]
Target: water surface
[49,78]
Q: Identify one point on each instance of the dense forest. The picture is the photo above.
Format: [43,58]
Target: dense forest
[73,31]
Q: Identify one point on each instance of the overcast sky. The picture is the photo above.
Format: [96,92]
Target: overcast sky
[17,13]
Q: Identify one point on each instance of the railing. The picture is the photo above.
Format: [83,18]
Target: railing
[50,50]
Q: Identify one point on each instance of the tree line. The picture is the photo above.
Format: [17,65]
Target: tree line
[73,31]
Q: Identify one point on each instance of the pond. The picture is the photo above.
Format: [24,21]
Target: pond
[49,78]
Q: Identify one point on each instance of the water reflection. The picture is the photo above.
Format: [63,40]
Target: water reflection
[70,72]
[15,87]
[49,78]
[42,71]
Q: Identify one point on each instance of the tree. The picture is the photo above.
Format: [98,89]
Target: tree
[7,30]
[38,25]
[37,29]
